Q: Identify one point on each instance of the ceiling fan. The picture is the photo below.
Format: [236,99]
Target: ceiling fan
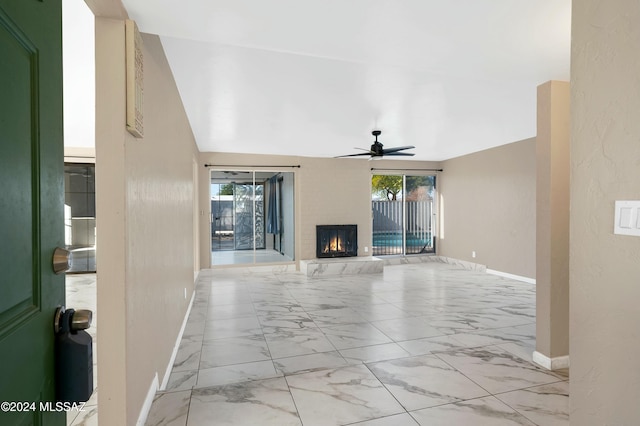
[377,149]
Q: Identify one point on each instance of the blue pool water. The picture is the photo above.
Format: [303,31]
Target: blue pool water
[391,239]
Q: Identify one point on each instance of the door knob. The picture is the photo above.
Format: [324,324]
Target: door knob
[81,319]
[71,320]
[61,260]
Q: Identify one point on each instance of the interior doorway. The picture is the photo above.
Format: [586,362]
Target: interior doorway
[79,88]
[252,217]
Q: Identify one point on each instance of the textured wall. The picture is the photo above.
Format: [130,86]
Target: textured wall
[160,250]
[488,205]
[605,166]
[145,193]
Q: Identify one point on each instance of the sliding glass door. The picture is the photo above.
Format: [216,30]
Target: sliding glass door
[251,217]
[248,208]
[418,206]
[402,207]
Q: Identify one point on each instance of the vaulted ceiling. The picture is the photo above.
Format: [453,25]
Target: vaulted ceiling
[314,77]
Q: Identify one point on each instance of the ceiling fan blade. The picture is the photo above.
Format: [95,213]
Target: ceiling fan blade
[377,150]
[396,149]
[406,154]
[353,155]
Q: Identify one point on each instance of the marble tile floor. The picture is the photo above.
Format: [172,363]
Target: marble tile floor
[421,344]
[81,294]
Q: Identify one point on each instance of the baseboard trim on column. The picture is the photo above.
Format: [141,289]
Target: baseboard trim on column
[556,363]
[511,276]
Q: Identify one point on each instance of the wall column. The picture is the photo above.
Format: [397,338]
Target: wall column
[552,226]
[111,241]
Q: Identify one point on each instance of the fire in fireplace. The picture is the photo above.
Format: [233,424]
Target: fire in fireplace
[336,240]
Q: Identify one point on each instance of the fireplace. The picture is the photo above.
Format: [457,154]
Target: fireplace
[336,240]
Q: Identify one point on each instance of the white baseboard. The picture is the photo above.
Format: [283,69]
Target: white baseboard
[511,276]
[556,363]
[155,386]
[148,401]
[167,372]
[464,264]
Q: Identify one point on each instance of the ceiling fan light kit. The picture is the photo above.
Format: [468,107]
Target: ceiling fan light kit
[378,150]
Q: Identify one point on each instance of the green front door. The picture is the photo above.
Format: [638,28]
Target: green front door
[31,206]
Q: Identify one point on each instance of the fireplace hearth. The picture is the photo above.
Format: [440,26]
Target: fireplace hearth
[336,240]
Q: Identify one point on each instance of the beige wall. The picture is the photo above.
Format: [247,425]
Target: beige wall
[605,166]
[488,205]
[328,191]
[145,201]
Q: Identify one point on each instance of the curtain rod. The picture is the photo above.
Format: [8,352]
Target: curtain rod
[248,166]
[412,170]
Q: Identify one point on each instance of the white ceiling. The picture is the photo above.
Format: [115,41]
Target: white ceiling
[314,77]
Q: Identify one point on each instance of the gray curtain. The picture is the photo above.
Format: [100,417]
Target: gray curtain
[273,223]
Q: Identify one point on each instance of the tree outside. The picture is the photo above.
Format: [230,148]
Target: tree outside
[387,186]
[226,189]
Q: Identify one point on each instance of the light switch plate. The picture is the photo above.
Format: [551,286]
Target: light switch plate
[627,218]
